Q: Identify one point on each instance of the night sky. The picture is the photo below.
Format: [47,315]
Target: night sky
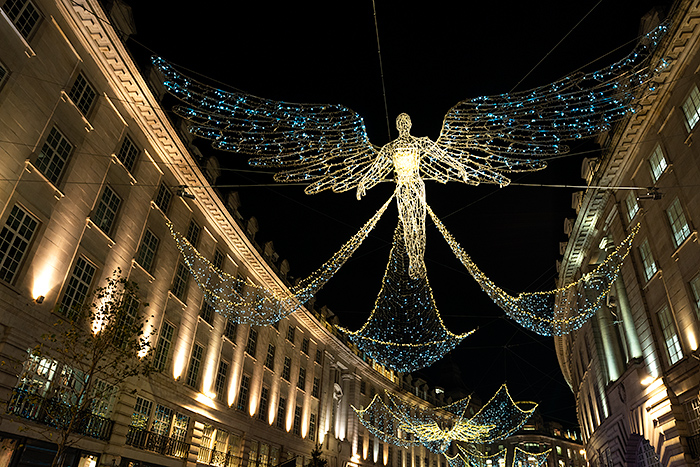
[433,55]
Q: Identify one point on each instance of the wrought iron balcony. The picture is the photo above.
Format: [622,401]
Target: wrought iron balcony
[217,458]
[150,441]
[58,414]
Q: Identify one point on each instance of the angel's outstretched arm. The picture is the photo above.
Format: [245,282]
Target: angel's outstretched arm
[376,172]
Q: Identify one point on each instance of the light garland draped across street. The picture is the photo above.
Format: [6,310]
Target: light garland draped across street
[555,312]
[245,302]
[406,425]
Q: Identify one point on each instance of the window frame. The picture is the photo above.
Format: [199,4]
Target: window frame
[631,205]
[147,251]
[105,212]
[161,353]
[39,17]
[691,118]
[131,157]
[658,163]
[193,367]
[16,232]
[61,150]
[680,229]
[85,97]
[670,335]
[163,195]
[86,288]
[648,262]
[181,282]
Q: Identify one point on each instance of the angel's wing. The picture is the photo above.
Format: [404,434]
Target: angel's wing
[324,145]
[515,131]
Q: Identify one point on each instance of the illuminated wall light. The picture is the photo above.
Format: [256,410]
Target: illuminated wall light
[692,340]
[375,448]
[385,454]
[321,436]
[272,410]
[233,385]
[44,282]
[365,447]
[206,400]
[253,402]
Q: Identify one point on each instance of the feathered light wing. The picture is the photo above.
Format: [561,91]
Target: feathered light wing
[324,145]
[515,131]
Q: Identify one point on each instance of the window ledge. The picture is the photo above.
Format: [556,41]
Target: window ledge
[157,208]
[172,295]
[656,274]
[692,238]
[150,276]
[117,161]
[66,98]
[199,318]
[27,48]
[30,167]
[91,225]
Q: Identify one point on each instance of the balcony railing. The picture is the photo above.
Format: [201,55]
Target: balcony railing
[150,441]
[694,445]
[58,414]
[217,458]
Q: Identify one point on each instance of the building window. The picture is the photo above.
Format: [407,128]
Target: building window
[252,342]
[692,415]
[106,210]
[221,379]
[316,388]
[23,14]
[193,233]
[287,368]
[163,198]
[218,259]
[270,359]
[363,387]
[290,333]
[296,426]
[301,382]
[147,250]
[82,94]
[632,205]
[305,346]
[78,288]
[281,408]
[312,427]
[53,155]
[673,345]
[163,347]
[15,237]
[691,109]
[679,224]
[230,330]
[161,420]
[657,163]
[127,153]
[647,260]
[142,413]
[319,356]
[262,410]
[193,369]
[695,287]
[180,281]
[243,392]
[206,312]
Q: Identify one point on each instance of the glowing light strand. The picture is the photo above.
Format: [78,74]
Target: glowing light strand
[245,302]
[473,458]
[406,425]
[554,312]
[404,330]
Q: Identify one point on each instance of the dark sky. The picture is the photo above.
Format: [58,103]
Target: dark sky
[434,55]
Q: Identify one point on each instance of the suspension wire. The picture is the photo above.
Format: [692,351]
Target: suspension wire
[381,70]
[556,45]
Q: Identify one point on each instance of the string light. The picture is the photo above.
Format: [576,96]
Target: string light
[555,312]
[404,330]
[406,425]
[473,458]
[245,302]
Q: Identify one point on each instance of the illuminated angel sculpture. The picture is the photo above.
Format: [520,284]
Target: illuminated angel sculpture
[482,140]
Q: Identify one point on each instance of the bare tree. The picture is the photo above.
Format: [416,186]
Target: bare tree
[71,378]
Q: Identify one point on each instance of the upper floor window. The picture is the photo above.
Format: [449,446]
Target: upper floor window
[206,312]
[657,163]
[195,362]
[243,392]
[128,152]
[23,14]
[631,205]
[252,342]
[147,250]
[647,260]
[53,155]
[106,210]
[82,94]
[691,109]
[77,288]
[218,261]
[15,237]
[230,330]
[270,359]
[163,198]
[193,233]
[679,224]
[305,345]
[673,345]
[221,381]
[301,381]
[165,340]
[695,287]
[290,333]
[181,281]
[287,368]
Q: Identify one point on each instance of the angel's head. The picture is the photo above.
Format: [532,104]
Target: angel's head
[403,124]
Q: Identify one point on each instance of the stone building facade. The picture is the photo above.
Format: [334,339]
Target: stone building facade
[91,170]
[634,366]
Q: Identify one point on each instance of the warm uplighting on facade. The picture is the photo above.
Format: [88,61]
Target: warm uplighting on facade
[43,282]
[205,399]
[692,340]
[647,381]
